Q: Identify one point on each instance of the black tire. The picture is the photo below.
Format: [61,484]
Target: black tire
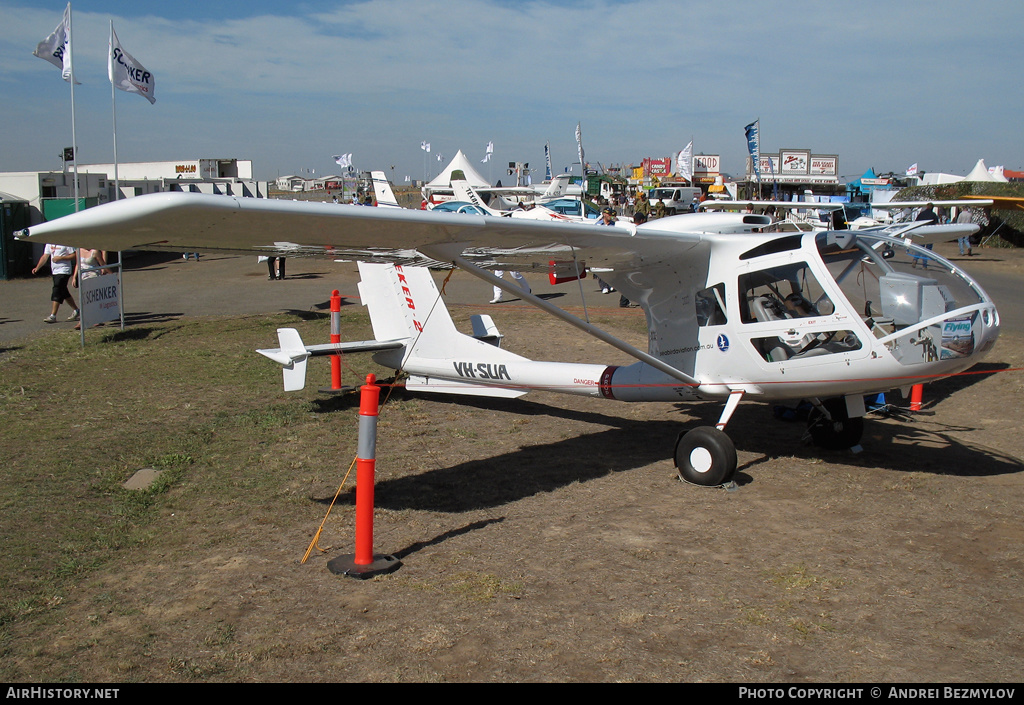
[705,456]
[840,433]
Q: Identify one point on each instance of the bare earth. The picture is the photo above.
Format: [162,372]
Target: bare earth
[548,539]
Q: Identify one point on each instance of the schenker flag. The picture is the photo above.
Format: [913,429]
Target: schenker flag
[57,47]
[126,73]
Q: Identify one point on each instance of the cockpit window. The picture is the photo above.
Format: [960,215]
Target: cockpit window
[785,291]
[782,244]
[895,288]
[779,296]
[711,306]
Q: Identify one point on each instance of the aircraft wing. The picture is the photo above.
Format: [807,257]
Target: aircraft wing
[1003,203]
[192,222]
[967,202]
[791,205]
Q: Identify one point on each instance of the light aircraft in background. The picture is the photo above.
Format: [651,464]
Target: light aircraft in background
[835,218]
[911,206]
[819,316]
[559,208]
[382,190]
[1005,203]
[507,197]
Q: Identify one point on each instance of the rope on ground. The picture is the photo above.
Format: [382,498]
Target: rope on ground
[315,543]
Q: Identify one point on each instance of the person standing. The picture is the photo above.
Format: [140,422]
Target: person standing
[643,205]
[608,218]
[964,218]
[62,264]
[278,272]
[928,217]
[517,277]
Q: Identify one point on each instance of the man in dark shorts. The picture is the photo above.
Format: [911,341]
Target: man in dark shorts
[62,264]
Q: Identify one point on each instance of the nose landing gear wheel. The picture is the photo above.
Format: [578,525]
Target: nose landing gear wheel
[705,456]
[840,433]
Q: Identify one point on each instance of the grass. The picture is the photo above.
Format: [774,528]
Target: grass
[192,400]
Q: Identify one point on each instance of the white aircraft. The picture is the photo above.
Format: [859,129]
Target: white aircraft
[821,316]
[919,233]
[530,210]
[507,196]
[382,190]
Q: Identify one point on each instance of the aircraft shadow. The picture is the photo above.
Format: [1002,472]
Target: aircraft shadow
[326,305]
[944,388]
[308,315]
[498,480]
[906,444]
[895,445]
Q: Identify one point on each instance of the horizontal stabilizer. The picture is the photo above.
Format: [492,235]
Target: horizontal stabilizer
[354,347]
[484,329]
[293,354]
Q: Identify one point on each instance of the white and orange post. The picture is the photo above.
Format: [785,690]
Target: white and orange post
[335,338]
[364,564]
[366,466]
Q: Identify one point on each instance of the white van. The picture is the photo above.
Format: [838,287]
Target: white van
[677,199]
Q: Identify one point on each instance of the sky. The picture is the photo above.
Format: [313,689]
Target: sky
[882,84]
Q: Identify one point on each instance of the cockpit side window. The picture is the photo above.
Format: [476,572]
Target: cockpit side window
[710,305]
[786,291]
[781,295]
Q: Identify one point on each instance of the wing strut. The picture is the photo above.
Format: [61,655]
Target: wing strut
[555,311]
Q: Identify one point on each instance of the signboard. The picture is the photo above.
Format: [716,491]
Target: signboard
[798,166]
[101,299]
[658,167]
[793,162]
[769,167]
[706,164]
[824,166]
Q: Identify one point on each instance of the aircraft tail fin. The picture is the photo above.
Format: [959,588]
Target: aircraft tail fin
[404,302]
[413,332]
[292,356]
[465,192]
[382,191]
[556,189]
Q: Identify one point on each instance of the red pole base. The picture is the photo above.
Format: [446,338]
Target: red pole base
[916,394]
[346,565]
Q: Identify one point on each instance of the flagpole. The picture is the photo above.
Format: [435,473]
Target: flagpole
[113,110]
[74,139]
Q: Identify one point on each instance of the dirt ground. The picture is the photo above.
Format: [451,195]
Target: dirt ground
[548,539]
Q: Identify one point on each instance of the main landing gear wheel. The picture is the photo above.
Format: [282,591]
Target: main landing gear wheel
[840,433]
[705,456]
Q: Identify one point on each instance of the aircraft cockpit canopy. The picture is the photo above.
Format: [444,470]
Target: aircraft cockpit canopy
[896,287]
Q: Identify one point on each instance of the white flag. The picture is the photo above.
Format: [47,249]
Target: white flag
[684,162]
[57,47]
[490,148]
[912,169]
[425,146]
[126,73]
[487,158]
[343,160]
[579,145]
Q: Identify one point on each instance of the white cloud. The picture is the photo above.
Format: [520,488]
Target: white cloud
[874,81]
